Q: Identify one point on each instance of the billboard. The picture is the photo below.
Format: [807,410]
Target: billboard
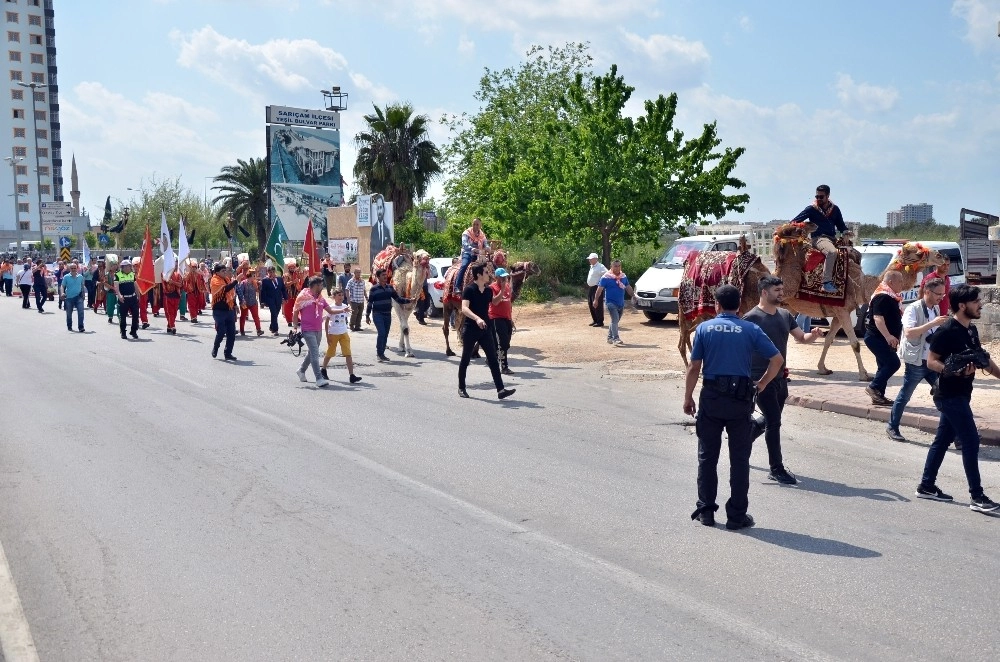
[320,119]
[343,251]
[304,177]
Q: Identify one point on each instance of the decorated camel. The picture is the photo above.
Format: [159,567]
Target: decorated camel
[492,259]
[408,278]
[703,274]
[801,268]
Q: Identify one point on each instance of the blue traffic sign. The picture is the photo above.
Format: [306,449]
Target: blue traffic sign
[65,242]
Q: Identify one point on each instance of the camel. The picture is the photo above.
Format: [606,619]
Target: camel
[749,297]
[408,277]
[519,271]
[791,244]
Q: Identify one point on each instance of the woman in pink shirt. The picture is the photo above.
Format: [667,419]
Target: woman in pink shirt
[307,313]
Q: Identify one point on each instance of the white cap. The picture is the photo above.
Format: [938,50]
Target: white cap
[593,256]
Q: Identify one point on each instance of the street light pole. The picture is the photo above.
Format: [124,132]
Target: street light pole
[38,175]
[13,161]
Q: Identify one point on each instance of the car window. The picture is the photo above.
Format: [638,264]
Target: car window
[955,268]
[676,254]
[434,271]
[873,264]
[726,246]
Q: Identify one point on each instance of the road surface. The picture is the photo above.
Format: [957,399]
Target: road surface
[159,505]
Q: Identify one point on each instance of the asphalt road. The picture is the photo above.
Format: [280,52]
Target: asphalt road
[159,505]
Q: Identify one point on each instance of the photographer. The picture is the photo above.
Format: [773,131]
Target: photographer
[955,353]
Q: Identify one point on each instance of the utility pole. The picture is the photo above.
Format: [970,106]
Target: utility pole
[13,161]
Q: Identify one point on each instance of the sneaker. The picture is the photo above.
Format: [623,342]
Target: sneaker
[506,393]
[183,318]
[983,504]
[383,358]
[757,427]
[111,320]
[462,393]
[322,371]
[707,519]
[355,379]
[82,330]
[619,343]
[145,325]
[894,435]
[829,288]
[507,371]
[878,399]
[933,492]
[215,353]
[229,357]
[124,337]
[744,522]
[611,341]
[782,476]
[69,328]
[301,374]
[134,334]
[321,382]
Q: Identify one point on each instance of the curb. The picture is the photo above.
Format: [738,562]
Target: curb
[989,435]
[16,644]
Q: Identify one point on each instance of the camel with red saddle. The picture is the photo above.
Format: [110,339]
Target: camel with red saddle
[801,268]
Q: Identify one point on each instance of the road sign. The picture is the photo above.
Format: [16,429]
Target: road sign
[57,211]
[103,239]
[57,229]
[64,255]
[65,242]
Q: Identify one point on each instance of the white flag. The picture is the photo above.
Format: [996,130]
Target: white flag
[165,247]
[183,251]
[86,252]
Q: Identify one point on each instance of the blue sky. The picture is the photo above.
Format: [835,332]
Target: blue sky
[888,102]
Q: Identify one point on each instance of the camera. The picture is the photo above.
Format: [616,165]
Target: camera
[293,340]
[976,356]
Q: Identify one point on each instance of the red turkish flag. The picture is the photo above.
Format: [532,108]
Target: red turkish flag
[311,251]
[146,278]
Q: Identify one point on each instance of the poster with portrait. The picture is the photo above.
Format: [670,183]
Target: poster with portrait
[344,251]
[382,226]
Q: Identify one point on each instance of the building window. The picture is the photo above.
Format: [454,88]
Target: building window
[43,152]
[39,96]
[45,189]
[22,170]
[12,17]
[20,151]
[34,3]
[35,39]
[43,171]
[40,115]
[14,56]
[34,20]
[43,134]
[24,208]
[19,132]
[37,78]
[15,75]
[17,95]
[36,58]
[19,113]
[22,189]
[13,36]
[25,225]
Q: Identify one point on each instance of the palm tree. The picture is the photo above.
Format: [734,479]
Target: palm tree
[243,193]
[395,158]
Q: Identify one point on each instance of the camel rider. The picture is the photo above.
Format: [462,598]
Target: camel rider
[473,243]
[828,220]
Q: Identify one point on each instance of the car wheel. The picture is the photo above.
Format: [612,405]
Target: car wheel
[654,317]
[434,311]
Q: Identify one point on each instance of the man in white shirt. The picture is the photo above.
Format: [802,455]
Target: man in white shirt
[337,334]
[597,271]
[920,320]
[24,281]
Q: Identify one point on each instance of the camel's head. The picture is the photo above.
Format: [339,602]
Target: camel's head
[789,237]
[421,257]
[499,259]
[527,268]
[914,256]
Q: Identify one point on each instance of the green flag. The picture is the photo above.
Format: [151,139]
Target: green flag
[274,249]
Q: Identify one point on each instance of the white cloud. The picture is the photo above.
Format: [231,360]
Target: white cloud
[379,94]
[746,23]
[466,47]
[981,18]
[868,97]
[679,62]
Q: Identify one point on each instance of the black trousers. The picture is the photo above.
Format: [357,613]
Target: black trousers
[41,296]
[718,412]
[771,402]
[275,309]
[423,305]
[91,291]
[472,334]
[225,327]
[128,306]
[8,286]
[596,312]
[503,329]
[25,296]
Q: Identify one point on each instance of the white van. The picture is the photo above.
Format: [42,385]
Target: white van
[656,290]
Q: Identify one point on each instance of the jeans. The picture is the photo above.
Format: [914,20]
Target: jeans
[312,340]
[956,421]
[718,412]
[471,335]
[772,402]
[225,327]
[596,312]
[885,358]
[383,322]
[460,276]
[25,296]
[804,321]
[275,311]
[8,286]
[128,306]
[911,379]
[74,303]
[615,311]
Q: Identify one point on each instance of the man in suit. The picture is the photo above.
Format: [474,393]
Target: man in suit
[381,232]
[272,295]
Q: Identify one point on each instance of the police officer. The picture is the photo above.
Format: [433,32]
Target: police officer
[127,293]
[725,346]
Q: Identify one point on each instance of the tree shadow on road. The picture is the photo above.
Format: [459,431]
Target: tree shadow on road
[801,542]
[831,488]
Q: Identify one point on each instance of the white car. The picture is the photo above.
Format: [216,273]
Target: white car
[435,283]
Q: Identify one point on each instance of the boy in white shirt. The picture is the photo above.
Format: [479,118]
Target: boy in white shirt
[337,334]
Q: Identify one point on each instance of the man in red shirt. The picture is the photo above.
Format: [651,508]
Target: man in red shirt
[942,273]
[501,316]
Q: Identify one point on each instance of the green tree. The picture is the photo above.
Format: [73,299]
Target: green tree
[243,193]
[177,200]
[91,240]
[395,157]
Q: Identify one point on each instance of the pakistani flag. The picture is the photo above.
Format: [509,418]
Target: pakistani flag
[274,249]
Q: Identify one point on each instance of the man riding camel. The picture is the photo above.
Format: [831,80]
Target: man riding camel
[474,242]
[828,220]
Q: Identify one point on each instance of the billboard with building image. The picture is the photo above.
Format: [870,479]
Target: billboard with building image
[304,177]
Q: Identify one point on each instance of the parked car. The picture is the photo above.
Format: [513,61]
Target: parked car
[435,283]
[656,289]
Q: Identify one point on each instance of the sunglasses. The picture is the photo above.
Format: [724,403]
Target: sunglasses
[821,197]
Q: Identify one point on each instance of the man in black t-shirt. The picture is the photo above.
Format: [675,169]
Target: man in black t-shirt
[883,329]
[477,329]
[953,397]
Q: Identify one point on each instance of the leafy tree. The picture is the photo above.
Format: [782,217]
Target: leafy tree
[243,193]
[91,240]
[395,157]
[412,231]
[47,244]
[177,200]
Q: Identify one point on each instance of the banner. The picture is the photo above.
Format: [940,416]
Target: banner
[86,252]
[275,247]
[343,251]
[183,251]
[304,177]
[364,211]
[312,252]
[165,245]
[146,278]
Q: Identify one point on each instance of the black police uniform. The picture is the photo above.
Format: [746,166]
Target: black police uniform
[129,304]
[725,346]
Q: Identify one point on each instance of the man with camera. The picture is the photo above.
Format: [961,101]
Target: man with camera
[955,354]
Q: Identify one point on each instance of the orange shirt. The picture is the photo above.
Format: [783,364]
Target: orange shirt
[219,292]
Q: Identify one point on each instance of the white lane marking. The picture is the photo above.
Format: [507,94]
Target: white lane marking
[15,635]
[629,579]
[182,378]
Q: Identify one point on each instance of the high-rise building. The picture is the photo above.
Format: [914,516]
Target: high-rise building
[918,213]
[894,219]
[31,117]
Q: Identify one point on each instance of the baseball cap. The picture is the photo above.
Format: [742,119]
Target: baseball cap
[593,256]
[501,273]
[126,263]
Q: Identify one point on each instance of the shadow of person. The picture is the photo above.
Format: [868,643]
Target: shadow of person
[807,544]
[831,488]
